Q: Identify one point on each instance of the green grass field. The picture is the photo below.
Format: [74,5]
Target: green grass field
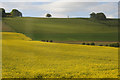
[66,29]
[24,58]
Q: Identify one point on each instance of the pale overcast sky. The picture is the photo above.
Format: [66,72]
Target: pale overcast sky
[59,0]
[60,8]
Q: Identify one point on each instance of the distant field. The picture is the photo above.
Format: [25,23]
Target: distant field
[23,58]
[71,29]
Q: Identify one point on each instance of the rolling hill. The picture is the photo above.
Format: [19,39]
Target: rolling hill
[63,29]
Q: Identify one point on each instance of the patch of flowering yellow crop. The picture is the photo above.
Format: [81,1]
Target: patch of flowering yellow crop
[22,58]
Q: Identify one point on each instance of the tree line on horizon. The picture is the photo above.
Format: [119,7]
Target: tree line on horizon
[17,13]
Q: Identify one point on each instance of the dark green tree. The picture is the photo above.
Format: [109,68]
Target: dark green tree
[115,45]
[100,45]
[92,15]
[51,40]
[83,43]
[48,15]
[100,16]
[16,13]
[2,12]
[87,44]
[92,43]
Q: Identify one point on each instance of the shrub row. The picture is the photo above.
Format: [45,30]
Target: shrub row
[88,43]
[115,45]
[47,40]
[111,45]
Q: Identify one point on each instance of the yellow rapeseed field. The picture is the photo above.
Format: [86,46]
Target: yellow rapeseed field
[24,58]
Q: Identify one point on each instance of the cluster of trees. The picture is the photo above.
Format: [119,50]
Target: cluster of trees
[17,13]
[88,43]
[47,40]
[99,16]
[111,45]
[13,13]
[115,45]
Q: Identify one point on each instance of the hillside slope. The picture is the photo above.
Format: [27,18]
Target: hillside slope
[64,29]
[22,58]
[14,36]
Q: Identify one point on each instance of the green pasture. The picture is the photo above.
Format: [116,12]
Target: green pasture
[64,29]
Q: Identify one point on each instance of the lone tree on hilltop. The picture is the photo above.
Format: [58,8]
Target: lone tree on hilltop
[48,15]
[16,13]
